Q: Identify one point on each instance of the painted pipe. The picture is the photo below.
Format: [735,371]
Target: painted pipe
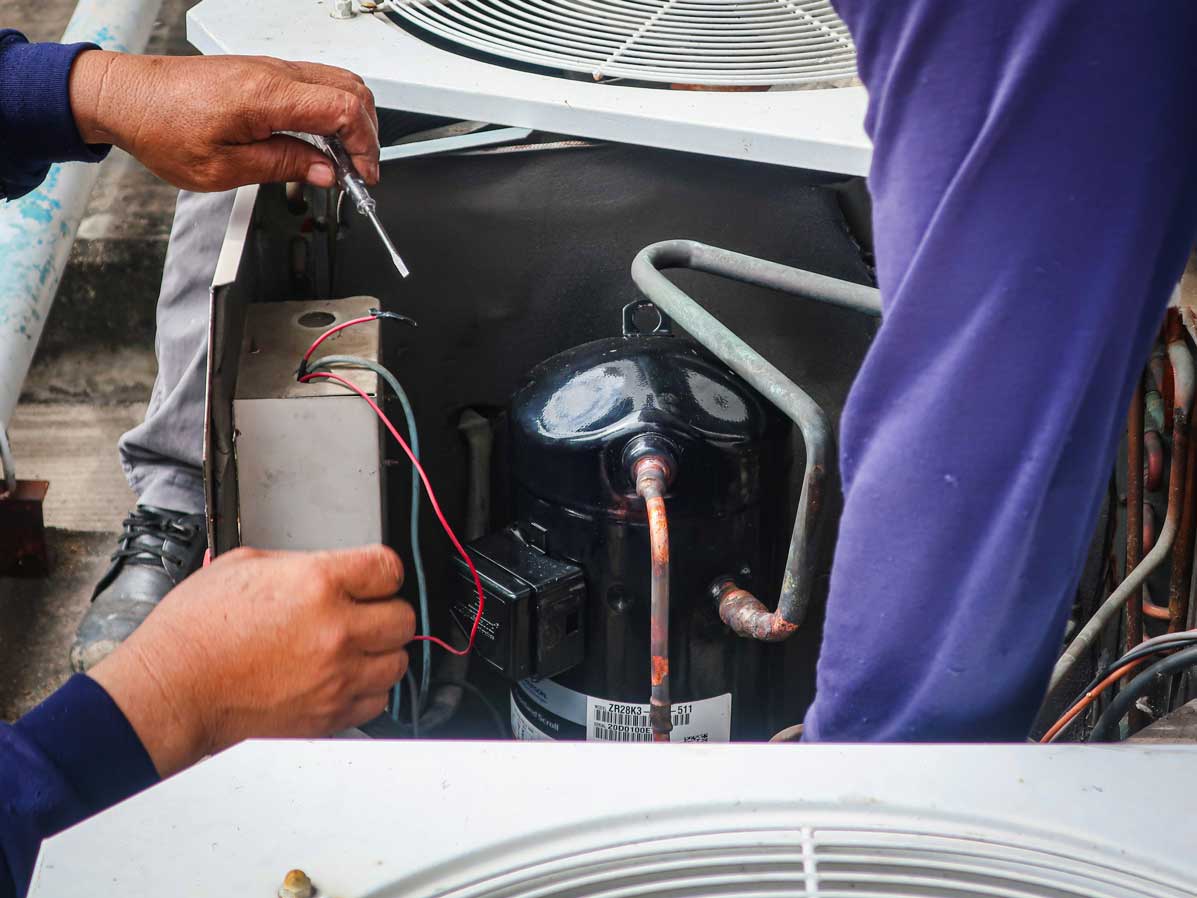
[792,400]
[38,230]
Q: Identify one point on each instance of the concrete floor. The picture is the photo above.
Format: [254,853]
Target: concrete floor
[89,383]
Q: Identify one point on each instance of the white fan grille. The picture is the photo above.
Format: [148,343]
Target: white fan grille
[723,43]
[825,863]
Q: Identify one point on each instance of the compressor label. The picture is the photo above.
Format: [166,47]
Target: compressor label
[543,709]
[708,720]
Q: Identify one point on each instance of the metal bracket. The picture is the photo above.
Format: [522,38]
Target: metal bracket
[453,144]
[23,530]
[631,329]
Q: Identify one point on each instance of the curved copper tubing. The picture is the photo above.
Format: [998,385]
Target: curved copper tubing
[652,475]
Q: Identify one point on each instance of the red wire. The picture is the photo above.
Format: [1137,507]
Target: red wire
[431,497]
[332,330]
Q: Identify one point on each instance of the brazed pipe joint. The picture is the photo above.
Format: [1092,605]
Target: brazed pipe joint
[652,474]
[746,615]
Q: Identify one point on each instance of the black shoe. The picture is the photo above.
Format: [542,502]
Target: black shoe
[158,550]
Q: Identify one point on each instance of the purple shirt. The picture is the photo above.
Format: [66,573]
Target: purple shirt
[1034,181]
[70,757]
[36,126]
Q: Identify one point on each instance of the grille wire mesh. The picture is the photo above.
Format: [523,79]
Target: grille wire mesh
[719,43]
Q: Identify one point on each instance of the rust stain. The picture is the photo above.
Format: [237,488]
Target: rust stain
[660,670]
[658,531]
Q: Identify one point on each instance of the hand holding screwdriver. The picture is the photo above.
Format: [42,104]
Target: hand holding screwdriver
[355,187]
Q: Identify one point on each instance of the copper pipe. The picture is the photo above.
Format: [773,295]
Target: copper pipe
[652,474]
[1153,449]
[1129,589]
[1134,511]
[1151,609]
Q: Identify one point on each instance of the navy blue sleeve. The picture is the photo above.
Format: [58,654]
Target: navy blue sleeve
[1035,197]
[36,125]
[67,759]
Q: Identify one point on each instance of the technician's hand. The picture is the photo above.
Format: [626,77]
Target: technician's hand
[263,644]
[208,123]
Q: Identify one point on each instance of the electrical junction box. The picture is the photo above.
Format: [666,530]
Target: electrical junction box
[532,623]
[308,456]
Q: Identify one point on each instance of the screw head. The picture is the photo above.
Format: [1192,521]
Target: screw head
[295,885]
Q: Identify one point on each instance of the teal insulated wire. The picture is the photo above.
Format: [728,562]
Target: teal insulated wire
[352,361]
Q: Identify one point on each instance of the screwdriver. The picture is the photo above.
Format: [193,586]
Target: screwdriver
[351,182]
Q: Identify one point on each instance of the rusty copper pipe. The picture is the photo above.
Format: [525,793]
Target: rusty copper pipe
[1134,511]
[1130,588]
[746,615]
[1179,488]
[652,474]
[1153,450]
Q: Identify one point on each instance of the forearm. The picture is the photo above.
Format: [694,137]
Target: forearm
[201,123]
[69,758]
[1026,248]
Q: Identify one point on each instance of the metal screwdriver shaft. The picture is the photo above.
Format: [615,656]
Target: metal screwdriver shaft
[351,182]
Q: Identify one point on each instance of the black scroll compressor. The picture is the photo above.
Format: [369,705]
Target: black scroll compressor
[568,581]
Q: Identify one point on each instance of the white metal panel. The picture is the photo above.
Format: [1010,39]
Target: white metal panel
[308,455]
[815,129]
[308,472]
[423,818]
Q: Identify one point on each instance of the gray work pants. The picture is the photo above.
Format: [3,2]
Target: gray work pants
[162,456]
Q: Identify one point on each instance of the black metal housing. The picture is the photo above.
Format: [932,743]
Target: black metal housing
[516,256]
[572,427]
[532,620]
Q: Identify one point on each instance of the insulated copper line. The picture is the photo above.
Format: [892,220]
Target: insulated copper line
[652,473]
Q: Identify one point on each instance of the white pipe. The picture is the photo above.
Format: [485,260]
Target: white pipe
[38,230]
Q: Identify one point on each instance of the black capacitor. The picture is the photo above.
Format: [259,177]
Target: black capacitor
[571,425]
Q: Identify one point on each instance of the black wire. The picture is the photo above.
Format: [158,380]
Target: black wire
[1135,653]
[1106,728]
[495,716]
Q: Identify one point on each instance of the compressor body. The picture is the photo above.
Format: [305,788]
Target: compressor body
[576,645]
